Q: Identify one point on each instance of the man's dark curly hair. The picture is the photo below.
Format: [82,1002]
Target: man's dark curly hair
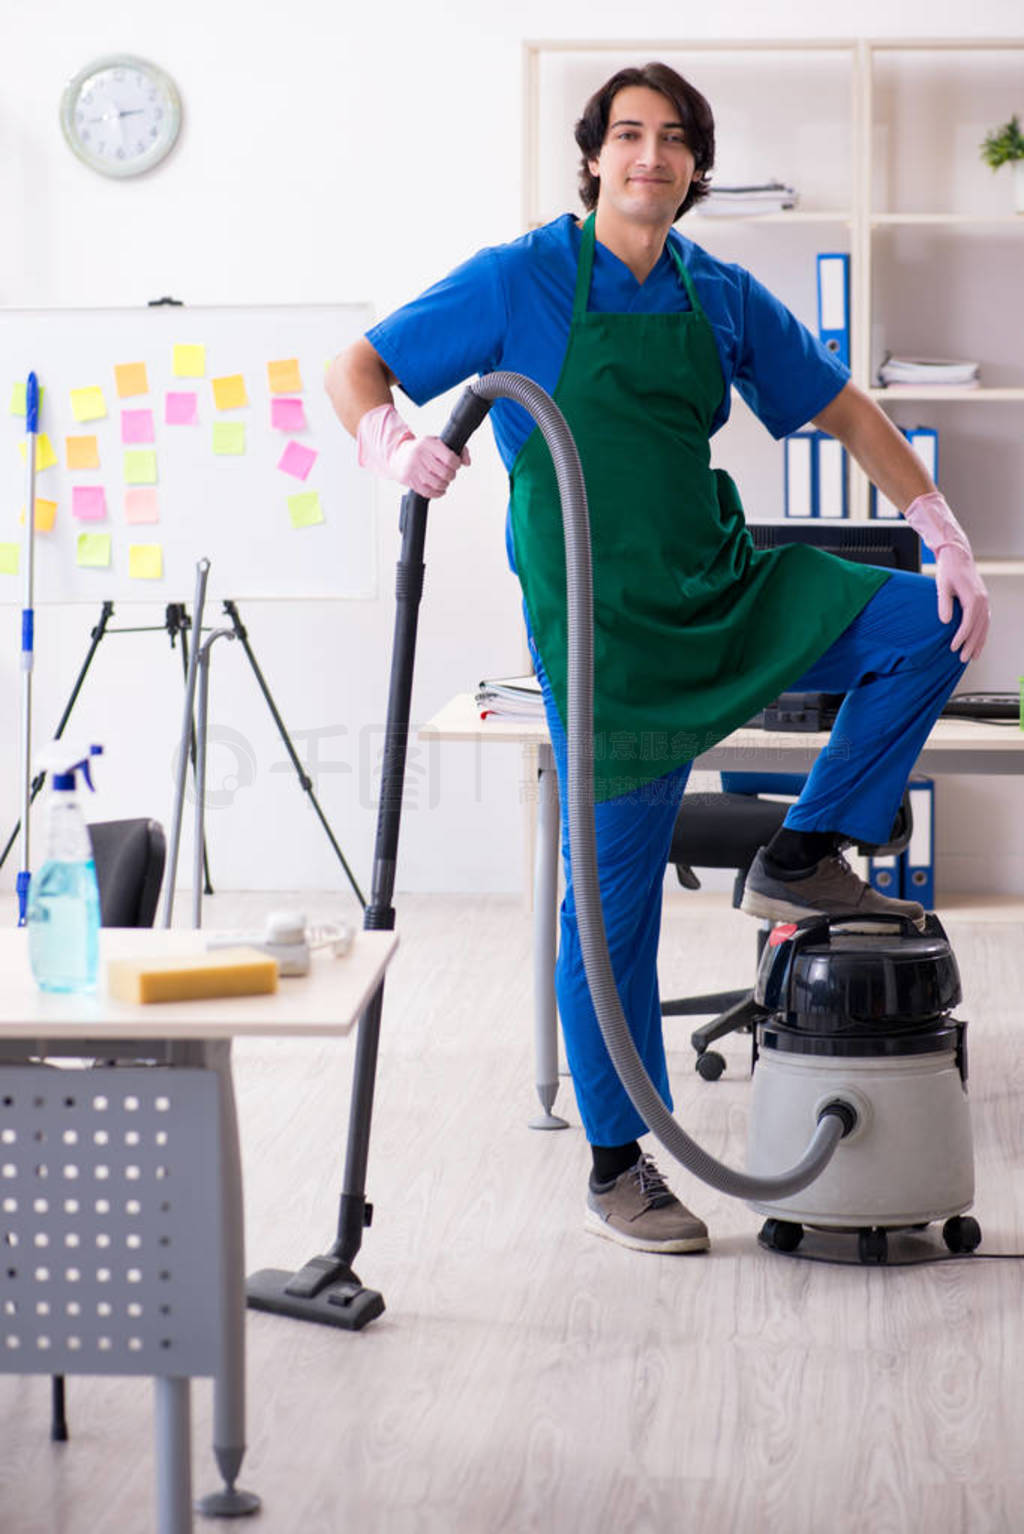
[694,114]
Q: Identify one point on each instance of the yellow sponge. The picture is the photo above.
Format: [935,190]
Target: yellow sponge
[191,977]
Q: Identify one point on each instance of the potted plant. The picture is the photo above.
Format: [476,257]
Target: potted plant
[1005,146]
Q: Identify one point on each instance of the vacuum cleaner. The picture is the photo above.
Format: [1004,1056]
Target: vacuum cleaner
[829,1130]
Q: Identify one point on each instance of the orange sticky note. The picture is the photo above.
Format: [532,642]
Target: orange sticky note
[82,452]
[284,376]
[131,378]
[229,393]
[46,515]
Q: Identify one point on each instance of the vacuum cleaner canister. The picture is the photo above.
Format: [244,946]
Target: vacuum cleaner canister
[864,1016]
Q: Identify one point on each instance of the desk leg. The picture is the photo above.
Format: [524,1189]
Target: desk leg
[545,941]
[229,1381]
[173,1456]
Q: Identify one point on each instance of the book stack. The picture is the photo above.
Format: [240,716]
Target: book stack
[927,372]
[510,697]
[748,201]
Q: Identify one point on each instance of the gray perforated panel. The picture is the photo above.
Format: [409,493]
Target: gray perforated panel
[109,1220]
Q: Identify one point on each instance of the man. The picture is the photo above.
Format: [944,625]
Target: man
[639,334]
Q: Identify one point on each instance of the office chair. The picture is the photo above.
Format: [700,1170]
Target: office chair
[129,857]
[725,830]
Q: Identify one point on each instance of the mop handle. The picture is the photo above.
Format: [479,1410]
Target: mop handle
[28,636]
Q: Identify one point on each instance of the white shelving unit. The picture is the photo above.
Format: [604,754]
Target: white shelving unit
[881,139]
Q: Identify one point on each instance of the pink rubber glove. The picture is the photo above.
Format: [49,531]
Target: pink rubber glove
[387,446]
[956,574]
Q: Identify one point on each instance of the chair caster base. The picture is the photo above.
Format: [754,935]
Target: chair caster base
[548,1121]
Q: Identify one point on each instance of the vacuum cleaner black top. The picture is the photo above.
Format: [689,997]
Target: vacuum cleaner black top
[838,992]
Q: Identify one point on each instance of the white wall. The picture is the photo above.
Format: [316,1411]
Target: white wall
[334,152]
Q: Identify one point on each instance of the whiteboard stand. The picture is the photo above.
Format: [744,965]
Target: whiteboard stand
[176,624]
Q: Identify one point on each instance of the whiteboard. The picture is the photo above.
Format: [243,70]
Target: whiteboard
[234,508]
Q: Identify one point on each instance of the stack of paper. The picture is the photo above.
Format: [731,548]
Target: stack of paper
[511,697]
[733,201]
[918,372]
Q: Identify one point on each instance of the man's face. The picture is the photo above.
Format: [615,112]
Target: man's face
[645,166]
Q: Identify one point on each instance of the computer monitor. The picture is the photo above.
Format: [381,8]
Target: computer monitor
[893,545]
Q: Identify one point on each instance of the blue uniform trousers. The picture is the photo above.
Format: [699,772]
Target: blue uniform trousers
[896,668]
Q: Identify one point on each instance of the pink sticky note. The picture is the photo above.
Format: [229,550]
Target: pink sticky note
[137,426]
[141,505]
[287,415]
[89,503]
[297,460]
[181,409]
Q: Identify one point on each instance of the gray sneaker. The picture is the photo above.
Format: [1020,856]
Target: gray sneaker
[638,1209]
[830,888]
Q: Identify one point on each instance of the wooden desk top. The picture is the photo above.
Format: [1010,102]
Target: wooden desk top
[328,1000]
[955,745]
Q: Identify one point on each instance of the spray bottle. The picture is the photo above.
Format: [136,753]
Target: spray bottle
[64,897]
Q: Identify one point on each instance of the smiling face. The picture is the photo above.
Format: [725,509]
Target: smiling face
[645,165]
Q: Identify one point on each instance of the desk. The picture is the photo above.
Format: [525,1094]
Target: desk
[195,1039]
[955,745]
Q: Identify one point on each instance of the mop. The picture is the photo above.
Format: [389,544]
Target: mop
[27,637]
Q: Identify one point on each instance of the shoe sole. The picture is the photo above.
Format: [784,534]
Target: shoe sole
[593,1223]
[774,908]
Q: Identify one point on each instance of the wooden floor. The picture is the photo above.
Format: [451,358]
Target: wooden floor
[526,1376]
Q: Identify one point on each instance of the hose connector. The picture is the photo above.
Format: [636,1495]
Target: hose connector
[845,1112]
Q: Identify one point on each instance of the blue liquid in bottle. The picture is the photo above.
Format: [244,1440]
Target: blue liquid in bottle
[63,926]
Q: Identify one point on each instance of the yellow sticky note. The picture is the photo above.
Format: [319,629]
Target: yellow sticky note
[93,550]
[145,561]
[88,404]
[131,378]
[8,559]
[190,361]
[81,452]
[46,515]
[45,456]
[140,466]
[229,437]
[229,393]
[305,509]
[284,376]
[18,404]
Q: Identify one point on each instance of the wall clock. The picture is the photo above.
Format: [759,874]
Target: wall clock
[121,115]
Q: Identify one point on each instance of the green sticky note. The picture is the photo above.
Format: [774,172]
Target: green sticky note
[18,402]
[305,509]
[8,559]
[140,466]
[93,550]
[229,437]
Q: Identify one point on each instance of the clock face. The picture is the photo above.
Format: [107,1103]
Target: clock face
[121,115]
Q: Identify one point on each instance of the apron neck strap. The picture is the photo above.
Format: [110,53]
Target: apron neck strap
[586,267]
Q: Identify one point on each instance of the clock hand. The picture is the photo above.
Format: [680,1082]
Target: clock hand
[134,112]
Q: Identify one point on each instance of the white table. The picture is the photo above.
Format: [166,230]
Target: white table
[954,745]
[37,1027]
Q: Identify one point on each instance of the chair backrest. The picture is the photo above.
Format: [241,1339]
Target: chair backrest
[129,857]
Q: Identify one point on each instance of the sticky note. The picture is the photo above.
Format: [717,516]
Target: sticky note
[139,466]
[81,453]
[180,410]
[297,460]
[145,561]
[89,503]
[284,376]
[305,509]
[228,437]
[141,506]
[8,559]
[229,393]
[45,456]
[189,361]
[287,415]
[137,426]
[131,378]
[88,404]
[93,550]
[46,515]
[18,402]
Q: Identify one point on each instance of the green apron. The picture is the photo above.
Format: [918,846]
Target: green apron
[694,629]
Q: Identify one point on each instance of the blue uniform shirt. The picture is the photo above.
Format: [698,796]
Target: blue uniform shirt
[510,307]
